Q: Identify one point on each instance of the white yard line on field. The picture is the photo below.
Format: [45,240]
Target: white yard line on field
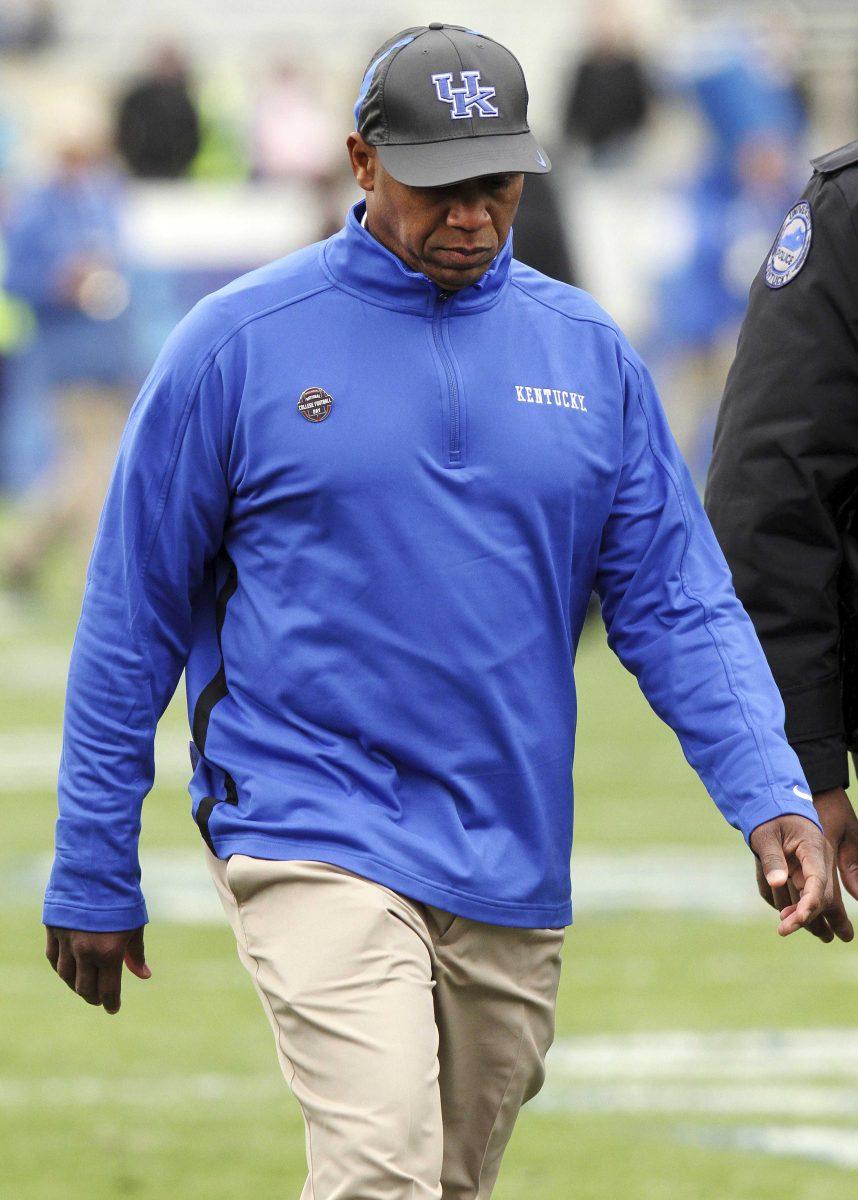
[795,1074]
[803,1074]
[215,975]
[834,1145]
[31,669]
[722,1099]
[738,1055]
[643,1099]
[718,884]
[169,1091]
[29,758]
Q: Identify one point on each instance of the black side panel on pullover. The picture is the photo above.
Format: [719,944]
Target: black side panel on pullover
[214,691]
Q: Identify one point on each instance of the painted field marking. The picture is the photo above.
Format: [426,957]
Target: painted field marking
[720,884]
[171,1091]
[739,1055]
[799,1073]
[834,1145]
[651,1097]
[33,669]
[29,758]
[810,1074]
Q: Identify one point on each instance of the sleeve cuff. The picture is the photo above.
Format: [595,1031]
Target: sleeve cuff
[108,920]
[754,815]
[824,762]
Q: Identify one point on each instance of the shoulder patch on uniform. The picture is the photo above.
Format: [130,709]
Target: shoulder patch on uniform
[791,247]
[844,156]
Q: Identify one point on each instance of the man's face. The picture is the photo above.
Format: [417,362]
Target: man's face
[450,233]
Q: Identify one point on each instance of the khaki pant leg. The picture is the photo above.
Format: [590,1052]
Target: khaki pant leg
[495,997]
[343,968]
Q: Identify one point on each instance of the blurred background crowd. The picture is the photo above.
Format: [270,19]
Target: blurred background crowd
[151,151]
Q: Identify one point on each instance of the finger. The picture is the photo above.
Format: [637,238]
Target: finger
[110,987]
[135,956]
[86,982]
[789,897]
[763,888]
[66,966]
[796,882]
[787,925]
[809,906]
[838,918]
[820,929]
[52,948]
[819,926]
[847,862]
[773,863]
[815,877]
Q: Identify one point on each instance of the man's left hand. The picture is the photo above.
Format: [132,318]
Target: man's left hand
[797,876]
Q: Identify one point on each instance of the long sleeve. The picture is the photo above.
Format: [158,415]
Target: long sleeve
[784,464]
[674,621]
[162,522]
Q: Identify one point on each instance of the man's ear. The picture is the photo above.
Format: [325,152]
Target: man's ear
[363,160]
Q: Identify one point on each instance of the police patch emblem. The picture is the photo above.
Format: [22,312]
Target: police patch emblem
[315,403]
[792,245]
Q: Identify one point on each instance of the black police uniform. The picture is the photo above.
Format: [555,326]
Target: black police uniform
[782,492]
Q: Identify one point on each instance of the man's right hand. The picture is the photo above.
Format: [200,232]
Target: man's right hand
[91,963]
[840,826]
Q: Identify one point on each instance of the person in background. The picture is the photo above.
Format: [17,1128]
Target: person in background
[28,26]
[609,96]
[157,124]
[292,136]
[293,140]
[541,234]
[737,194]
[65,260]
[782,493]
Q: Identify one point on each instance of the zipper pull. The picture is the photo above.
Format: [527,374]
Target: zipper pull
[443,296]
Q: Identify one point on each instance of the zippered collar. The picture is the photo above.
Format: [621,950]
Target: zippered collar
[359,263]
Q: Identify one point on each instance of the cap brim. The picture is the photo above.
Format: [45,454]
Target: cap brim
[429,164]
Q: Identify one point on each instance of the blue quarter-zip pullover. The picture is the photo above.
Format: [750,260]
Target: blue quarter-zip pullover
[378,610]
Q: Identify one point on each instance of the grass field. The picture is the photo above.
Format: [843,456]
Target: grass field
[698,1055]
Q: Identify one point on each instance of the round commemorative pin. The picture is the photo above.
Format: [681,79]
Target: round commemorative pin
[315,403]
[791,247]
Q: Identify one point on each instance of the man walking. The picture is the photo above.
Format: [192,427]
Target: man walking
[781,493]
[363,499]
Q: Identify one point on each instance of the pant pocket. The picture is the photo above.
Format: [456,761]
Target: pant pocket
[442,923]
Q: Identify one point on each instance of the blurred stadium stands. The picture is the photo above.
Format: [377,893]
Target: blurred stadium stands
[666,230]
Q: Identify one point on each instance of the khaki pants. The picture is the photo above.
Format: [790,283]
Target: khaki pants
[410,1038]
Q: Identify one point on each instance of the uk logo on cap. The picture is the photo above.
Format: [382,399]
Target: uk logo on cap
[465,100]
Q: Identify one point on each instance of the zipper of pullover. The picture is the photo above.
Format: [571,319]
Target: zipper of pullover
[454,437]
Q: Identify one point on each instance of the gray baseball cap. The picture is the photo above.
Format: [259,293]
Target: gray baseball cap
[443,103]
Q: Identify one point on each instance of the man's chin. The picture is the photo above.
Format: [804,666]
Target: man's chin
[451,279]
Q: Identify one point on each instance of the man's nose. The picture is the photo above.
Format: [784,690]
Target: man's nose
[468,212]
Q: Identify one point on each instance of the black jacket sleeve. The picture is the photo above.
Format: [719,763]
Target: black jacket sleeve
[785,470]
